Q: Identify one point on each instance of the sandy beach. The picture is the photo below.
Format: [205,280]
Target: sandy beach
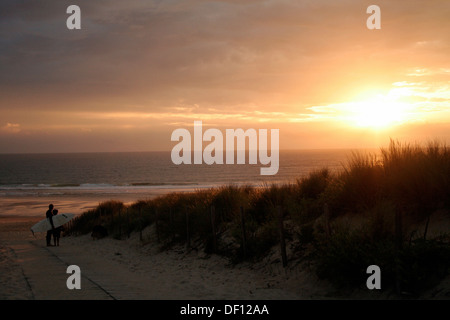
[128,270]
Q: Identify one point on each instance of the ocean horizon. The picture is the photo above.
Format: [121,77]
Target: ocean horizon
[76,182]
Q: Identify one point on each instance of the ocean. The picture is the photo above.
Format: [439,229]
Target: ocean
[76,182]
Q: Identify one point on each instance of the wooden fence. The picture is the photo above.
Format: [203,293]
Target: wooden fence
[121,223]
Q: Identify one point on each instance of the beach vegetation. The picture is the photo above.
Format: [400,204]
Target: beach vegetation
[378,209]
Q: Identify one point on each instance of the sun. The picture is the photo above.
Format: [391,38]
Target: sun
[378,112]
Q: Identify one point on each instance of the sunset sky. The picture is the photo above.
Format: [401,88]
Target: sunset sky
[137,70]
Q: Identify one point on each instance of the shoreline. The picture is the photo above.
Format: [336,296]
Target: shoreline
[80,201]
[32,206]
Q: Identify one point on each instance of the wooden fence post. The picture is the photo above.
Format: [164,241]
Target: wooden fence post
[398,248]
[140,224]
[120,224]
[172,223]
[244,234]
[157,225]
[282,240]
[188,233]
[426,227]
[128,223]
[213,227]
[326,212]
[111,223]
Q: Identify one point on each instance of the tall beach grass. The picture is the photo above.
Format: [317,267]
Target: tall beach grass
[376,210]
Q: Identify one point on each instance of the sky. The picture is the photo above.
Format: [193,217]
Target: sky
[138,70]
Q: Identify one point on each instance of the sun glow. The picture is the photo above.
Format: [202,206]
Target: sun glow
[378,112]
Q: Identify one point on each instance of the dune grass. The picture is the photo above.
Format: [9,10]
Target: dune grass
[367,213]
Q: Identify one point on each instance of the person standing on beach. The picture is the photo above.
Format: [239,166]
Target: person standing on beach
[56,231]
[49,215]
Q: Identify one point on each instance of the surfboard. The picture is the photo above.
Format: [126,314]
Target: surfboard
[58,220]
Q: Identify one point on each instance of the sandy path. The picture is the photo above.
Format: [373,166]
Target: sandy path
[122,269]
[134,274]
[126,270]
[45,274]
[29,270]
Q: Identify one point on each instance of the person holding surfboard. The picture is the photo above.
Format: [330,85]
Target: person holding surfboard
[49,215]
[51,222]
[56,231]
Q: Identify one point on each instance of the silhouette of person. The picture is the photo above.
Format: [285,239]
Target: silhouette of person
[49,215]
[56,231]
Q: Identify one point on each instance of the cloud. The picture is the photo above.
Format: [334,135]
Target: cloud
[261,60]
[198,50]
[11,128]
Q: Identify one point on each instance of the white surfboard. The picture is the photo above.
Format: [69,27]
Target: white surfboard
[58,220]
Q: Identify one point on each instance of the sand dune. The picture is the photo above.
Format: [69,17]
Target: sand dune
[124,269]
